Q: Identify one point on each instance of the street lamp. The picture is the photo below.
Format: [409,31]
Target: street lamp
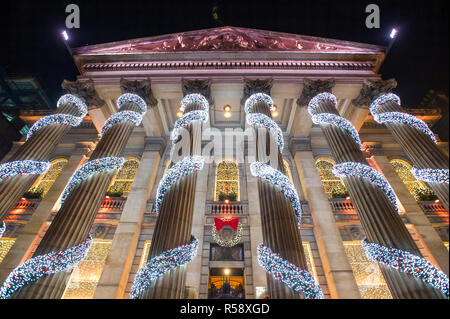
[392,36]
[65,36]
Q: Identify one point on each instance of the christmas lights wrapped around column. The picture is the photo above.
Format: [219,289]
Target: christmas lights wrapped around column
[17,175]
[417,141]
[84,194]
[163,276]
[373,198]
[281,253]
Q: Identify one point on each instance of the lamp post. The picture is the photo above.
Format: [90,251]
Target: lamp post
[65,36]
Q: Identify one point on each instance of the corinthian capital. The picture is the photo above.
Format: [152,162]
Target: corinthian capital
[202,87]
[313,87]
[372,89]
[256,86]
[141,88]
[84,90]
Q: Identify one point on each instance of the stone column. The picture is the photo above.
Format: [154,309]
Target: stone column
[193,272]
[74,220]
[39,147]
[378,217]
[338,271]
[254,221]
[19,252]
[173,227]
[278,220]
[118,264]
[418,146]
[415,215]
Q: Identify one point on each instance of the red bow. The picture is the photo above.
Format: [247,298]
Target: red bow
[233,223]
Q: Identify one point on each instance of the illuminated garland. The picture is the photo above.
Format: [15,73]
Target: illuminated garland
[43,265]
[329,118]
[2,229]
[64,119]
[90,168]
[281,181]
[398,117]
[186,120]
[337,120]
[261,120]
[383,99]
[430,175]
[161,264]
[194,98]
[132,98]
[361,170]
[294,277]
[405,119]
[258,98]
[406,262]
[26,167]
[186,166]
[320,98]
[69,98]
[227,243]
[121,117]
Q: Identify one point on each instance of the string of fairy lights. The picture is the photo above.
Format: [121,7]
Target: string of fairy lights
[262,120]
[42,265]
[392,257]
[176,257]
[426,174]
[280,181]
[90,168]
[294,277]
[25,167]
[329,118]
[54,262]
[159,265]
[62,119]
[408,263]
[279,268]
[364,171]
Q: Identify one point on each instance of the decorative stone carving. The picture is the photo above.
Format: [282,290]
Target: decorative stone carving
[141,88]
[202,87]
[256,86]
[84,90]
[313,87]
[372,89]
[229,39]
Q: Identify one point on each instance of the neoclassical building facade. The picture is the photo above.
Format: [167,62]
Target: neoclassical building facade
[226,163]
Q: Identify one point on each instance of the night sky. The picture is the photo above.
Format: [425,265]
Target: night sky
[31,42]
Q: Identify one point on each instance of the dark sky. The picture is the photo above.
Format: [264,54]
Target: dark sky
[31,42]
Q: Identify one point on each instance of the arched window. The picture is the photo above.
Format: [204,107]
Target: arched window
[287,169]
[123,179]
[227,181]
[333,186]
[45,181]
[418,189]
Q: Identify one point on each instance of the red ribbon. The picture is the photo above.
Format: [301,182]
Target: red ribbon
[233,223]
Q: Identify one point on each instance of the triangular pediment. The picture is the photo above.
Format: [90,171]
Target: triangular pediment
[228,39]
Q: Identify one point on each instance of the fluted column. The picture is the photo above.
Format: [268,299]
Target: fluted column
[378,217]
[173,227]
[418,146]
[74,220]
[38,147]
[279,223]
[23,243]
